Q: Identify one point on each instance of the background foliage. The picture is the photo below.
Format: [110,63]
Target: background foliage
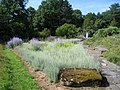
[17,21]
[67,31]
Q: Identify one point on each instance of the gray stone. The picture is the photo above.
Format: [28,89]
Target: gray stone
[116,80]
[101,49]
[118,85]
[110,80]
[114,87]
[105,73]
[104,64]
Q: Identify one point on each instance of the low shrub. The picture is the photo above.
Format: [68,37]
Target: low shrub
[106,32]
[64,44]
[36,44]
[67,31]
[53,59]
[15,41]
[112,43]
[113,55]
[89,41]
[44,34]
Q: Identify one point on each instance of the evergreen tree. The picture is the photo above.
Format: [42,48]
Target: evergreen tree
[51,14]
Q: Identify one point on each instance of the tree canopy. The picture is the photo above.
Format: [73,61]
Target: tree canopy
[17,20]
[52,14]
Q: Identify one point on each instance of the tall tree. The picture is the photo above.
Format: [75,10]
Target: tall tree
[31,13]
[13,18]
[99,22]
[88,24]
[53,13]
[115,13]
[77,18]
[112,16]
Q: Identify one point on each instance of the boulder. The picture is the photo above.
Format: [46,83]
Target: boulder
[80,77]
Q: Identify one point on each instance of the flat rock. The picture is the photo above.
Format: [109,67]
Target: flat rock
[114,87]
[80,77]
[101,49]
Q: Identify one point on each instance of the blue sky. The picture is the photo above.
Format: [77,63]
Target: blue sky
[85,6]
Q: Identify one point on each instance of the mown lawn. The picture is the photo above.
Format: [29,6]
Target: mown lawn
[13,74]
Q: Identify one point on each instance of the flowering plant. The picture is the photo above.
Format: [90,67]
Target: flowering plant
[15,41]
[37,45]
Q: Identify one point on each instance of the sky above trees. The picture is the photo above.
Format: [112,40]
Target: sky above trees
[85,6]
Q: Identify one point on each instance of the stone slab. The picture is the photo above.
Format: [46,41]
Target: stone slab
[118,85]
[110,80]
[113,87]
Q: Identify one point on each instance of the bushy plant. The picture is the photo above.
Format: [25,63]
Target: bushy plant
[89,41]
[112,43]
[53,59]
[45,33]
[15,41]
[65,44]
[106,32]
[67,30]
[37,45]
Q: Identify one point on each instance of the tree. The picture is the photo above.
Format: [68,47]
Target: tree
[13,18]
[67,31]
[115,13]
[88,24]
[77,18]
[112,16]
[100,23]
[51,14]
[31,13]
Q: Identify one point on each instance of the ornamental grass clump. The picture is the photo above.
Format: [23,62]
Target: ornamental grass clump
[52,60]
[15,41]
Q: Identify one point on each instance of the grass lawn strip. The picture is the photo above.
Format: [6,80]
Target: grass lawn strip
[18,78]
[4,76]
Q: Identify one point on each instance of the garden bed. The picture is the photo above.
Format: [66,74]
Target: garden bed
[51,57]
